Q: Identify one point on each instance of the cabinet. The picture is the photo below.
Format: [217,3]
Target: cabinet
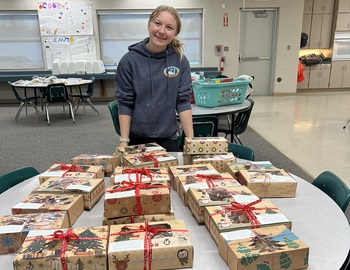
[323,6]
[319,76]
[343,22]
[340,74]
[344,6]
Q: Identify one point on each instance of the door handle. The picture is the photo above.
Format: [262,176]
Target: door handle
[239,58]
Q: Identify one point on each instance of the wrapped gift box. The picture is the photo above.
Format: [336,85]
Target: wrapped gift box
[72,170]
[139,219]
[184,170]
[108,162]
[139,149]
[42,203]
[223,193]
[273,247]
[255,166]
[224,218]
[14,228]
[91,189]
[205,145]
[274,183]
[153,245]
[130,199]
[74,248]
[201,181]
[217,160]
[150,160]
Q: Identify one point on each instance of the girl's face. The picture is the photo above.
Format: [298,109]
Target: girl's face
[162,30]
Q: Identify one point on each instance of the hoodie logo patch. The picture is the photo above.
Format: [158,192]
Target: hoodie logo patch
[171,71]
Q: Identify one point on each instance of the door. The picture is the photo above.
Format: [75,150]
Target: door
[257,47]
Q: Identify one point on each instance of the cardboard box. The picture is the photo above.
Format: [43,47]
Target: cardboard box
[222,194]
[72,170]
[139,149]
[274,184]
[42,203]
[122,200]
[225,218]
[217,160]
[150,160]
[108,162]
[91,189]
[201,181]
[43,249]
[14,228]
[263,248]
[233,168]
[139,219]
[205,145]
[168,248]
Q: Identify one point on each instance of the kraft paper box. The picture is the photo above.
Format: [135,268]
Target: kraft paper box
[150,160]
[72,170]
[135,246]
[224,218]
[275,183]
[139,219]
[108,162]
[201,181]
[91,189]
[184,170]
[273,247]
[126,174]
[205,145]
[14,229]
[255,166]
[122,200]
[42,250]
[217,160]
[42,203]
[199,198]
[140,148]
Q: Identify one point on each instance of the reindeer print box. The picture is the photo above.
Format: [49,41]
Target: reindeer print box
[74,248]
[154,245]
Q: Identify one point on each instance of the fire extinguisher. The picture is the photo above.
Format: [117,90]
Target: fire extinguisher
[222,62]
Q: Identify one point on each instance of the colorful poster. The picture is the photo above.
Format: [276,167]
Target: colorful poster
[52,19]
[56,48]
[79,18]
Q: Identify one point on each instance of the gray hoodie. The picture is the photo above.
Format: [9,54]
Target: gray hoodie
[151,88]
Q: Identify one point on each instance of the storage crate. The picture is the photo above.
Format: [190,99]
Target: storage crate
[218,92]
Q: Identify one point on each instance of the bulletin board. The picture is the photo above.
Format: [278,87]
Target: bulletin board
[66,31]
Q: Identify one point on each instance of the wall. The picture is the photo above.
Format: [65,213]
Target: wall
[290,14]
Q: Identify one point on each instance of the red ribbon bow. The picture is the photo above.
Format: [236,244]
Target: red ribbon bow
[70,168]
[247,209]
[65,237]
[209,178]
[151,157]
[139,172]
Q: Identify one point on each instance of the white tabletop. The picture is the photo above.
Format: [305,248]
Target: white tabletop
[316,219]
[229,109]
[44,82]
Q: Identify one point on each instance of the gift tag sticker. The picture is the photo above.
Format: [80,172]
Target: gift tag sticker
[236,235]
[22,205]
[245,198]
[41,232]
[200,185]
[125,177]
[206,172]
[80,187]
[120,194]
[130,245]
[154,148]
[53,173]
[281,178]
[162,159]
[271,218]
[11,229]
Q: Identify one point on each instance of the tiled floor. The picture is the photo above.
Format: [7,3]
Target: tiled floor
[308,128]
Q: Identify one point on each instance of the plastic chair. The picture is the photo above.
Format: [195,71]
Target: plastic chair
[113,109]
[85,97]
[241,120]
[241,151]
[57,93]
[24,100]
[15,177]
[334,187]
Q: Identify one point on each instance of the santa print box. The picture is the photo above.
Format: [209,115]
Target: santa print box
[267,248]
[42,250]
[108,162]
[205,145]
[42,203]
[139,219]
[150,160]
[91,189]
[14,228]
[153,245]
[261,213]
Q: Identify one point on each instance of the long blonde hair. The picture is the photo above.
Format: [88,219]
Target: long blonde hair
[176,43]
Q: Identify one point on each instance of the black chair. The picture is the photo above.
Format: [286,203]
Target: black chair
[15,177]
[85,97]
[241,120]
[24,100]
[113,109]
[57,93]
[241,151]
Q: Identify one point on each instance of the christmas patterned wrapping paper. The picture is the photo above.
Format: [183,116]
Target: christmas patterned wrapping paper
[139,149]
[43,203]
[219,161]
[91,189]
[255,166]
[272,184]
[153,245]
[139,219]
[74,248]
[266,248]
[205,145]
[223,193]
[108,162]
[14,228]
[72,170]
[237,216]
[199,181]
[150,160]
